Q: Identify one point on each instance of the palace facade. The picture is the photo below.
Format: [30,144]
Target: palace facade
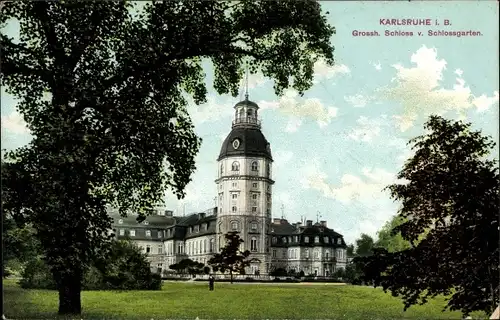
[244,196]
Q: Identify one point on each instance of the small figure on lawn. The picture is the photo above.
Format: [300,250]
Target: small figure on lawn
[211,281]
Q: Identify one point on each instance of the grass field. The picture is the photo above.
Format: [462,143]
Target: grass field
[234,301]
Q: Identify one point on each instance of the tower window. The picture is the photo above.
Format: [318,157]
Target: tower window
[254,196]
[254,209]
[253,244]
[254,185]
[235,166]
[235,196]
[234,225]
[221,168]
[234,209]
[254,166]
[253,226]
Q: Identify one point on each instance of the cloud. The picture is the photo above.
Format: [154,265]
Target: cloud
[358,101]
[254,81]
[418,89]
[377,65]
[364,189]
[323,71]
[281,159]
[300,109]
[366,130]
[15,123]
[210,111]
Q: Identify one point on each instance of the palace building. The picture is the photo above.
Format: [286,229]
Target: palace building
[244,200]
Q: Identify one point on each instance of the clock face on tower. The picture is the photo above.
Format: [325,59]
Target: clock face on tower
[236,144]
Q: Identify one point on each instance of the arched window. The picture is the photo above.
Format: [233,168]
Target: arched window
[204,246]
[268,169]
[306,239]
[234,209]
[307,253]
[316,239]
[212,242]
[253,244]
[221,168]
[234,225]
[235,166]
[254,166]
[327,255]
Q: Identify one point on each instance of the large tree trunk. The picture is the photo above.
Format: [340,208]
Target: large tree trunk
[70,288]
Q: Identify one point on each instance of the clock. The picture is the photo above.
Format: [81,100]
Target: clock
[236,144]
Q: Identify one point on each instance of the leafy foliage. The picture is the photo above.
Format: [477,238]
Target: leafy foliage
[189,266]
[452,195]
[231,258]
[364,245]
[103,89]
[390,240]
[350,250]
[125,268]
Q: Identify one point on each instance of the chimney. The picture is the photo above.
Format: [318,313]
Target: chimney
[276,220]
[309,223]
[202,215]
[298,224]
[323,223]
[215,210]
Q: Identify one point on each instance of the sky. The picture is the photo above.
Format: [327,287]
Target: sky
[339,145]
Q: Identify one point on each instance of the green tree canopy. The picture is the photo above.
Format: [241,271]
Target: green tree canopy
[103,90]
[231,258]
[364,245]
[452,194]
[388,239]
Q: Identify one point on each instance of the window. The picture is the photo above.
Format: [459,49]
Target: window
[160,249]
[284,254]
[307,253]
[234,225]
[268,170]
[120,221]
[326,239]
[254,196]
[254,209]
[234,209]
[253,244]
[148,248]
[234,196]
[274,253]
[316,239]
[146,223]
[274,240]
[306,239]
[204,245]
[197,228]
[148,233]
[327,254]
[316,254]
[122,232]
[296,238]
[205,227]
[211,249]
[221,168]
[339,241]
[132,233]
[235,184]
[254,185]
[253,226]
[235,166]
[159,234]
[284,239]
[254,166]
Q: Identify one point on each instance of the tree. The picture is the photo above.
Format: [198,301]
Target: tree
[450,190]
[389,240]
[364,245]
[231,258]
[350,250]
[103,89]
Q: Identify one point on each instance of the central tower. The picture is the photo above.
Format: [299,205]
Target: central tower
[244,185]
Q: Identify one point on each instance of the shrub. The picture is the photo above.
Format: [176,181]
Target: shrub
[37,275]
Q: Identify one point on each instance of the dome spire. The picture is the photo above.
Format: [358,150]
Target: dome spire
[246,84]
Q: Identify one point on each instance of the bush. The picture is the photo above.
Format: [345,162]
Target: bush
[123,268]
[37,275]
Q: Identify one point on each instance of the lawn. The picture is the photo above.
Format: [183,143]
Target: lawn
[229,301]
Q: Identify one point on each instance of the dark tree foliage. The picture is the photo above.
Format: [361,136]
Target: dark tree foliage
[350,250]
[364,245]
[103,91]
[452,194]
[231,258]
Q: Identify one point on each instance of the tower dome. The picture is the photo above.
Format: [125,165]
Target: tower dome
[246,138]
